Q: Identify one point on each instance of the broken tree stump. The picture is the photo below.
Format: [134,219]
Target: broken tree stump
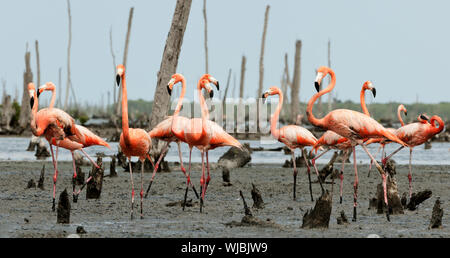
[328,168]
[41,178]
[341,220]
[79,180]
[436,215]
[41,150]
[112,167]
[63,210]
[31,184]
[319,217]
[34,142]
[257,199]
[234,158]
[418,198]
[94,186]
[226,177]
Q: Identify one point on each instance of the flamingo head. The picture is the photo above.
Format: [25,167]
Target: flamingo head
[423,118]
[48,86]
[120,71]
[205,84]
[31,91]
[174,80]
[321,73]
[271,91]
[369,86]
[402,108]
[211,79]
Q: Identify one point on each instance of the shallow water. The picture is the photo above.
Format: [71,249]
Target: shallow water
[14,149]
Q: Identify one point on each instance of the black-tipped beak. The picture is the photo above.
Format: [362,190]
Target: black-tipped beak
[38,93]
[211,94]
[264,98]
[424,118]
[31,102]
[217,85]
[169,90]
[118,80]
[374,92]
[317,85]
[406,113]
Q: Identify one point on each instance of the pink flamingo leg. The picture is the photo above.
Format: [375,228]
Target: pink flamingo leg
[55,176]
[341,176]
[207,167]
[410,175]
[188,178]
[142,186]
[308,169]
[313,162]
[355,185]
[89,157]
[371,162]
[132,187]
[184,170]
[74,176]
[295,171]
[155,168]
[383,176]
[202,181]
[383,161]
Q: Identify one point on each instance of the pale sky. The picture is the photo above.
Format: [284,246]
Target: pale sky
[401,46]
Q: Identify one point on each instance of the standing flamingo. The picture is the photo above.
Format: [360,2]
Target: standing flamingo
[332,140]
[293,136]
[163,130]
[55,125]
[204,134]
[90,139]
[351,124]
[134,142]
[415,134]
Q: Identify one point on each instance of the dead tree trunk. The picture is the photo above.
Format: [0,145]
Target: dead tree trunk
[60,88]
[261,57]
[7,112]
[38,74]
[114,65]
[241,84]
[25,110]
[63,210]
[94,186]
[319,217]
[295,90]
[226,88]
[436,215]
[68,56]
[206,36]
[125,55]
[168,67]
[330,94]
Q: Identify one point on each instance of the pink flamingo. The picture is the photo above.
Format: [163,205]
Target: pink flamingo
[351,124]
[134,142]
[293,136]
[415,134]
[332,140]
[204,134]
[90,140]
[163,130]
[56,125]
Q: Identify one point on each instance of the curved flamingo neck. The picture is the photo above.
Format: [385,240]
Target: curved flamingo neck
[439,129]
[274,119]
[34,110]
[309,113]
[52,101]
[400,116]
[179,104]
[362,97]
[125,126]
[203,106]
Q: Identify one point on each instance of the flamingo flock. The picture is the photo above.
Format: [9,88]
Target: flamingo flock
[345,129]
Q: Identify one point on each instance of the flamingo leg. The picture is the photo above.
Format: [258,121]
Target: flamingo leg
[383,161]
[132,187]
[55,175]
[74,178]
[202,182]
[155,168]
[295,171]
[410,175]
[90,177]
[313,162]
[355,185]
[371,162]
[89,157]
[188,178]
[308,169]
[341,175]
[207,167]
[184,170]
[142,186]
[383,176]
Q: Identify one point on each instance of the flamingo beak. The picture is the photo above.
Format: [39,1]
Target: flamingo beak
[169,90]
[38,93]
[317,85]
[317,82]
[374,92]
[118,79]
[424,118]
[215,82]
[31,102]
[406,113]
[264,97]
[211,94]
[170,85]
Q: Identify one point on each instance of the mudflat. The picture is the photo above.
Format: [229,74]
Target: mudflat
[27,212]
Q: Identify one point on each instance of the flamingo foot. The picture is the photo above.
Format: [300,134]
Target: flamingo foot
[354,214]
[185,197]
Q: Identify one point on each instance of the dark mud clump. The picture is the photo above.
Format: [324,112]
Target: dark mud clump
[436,216]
